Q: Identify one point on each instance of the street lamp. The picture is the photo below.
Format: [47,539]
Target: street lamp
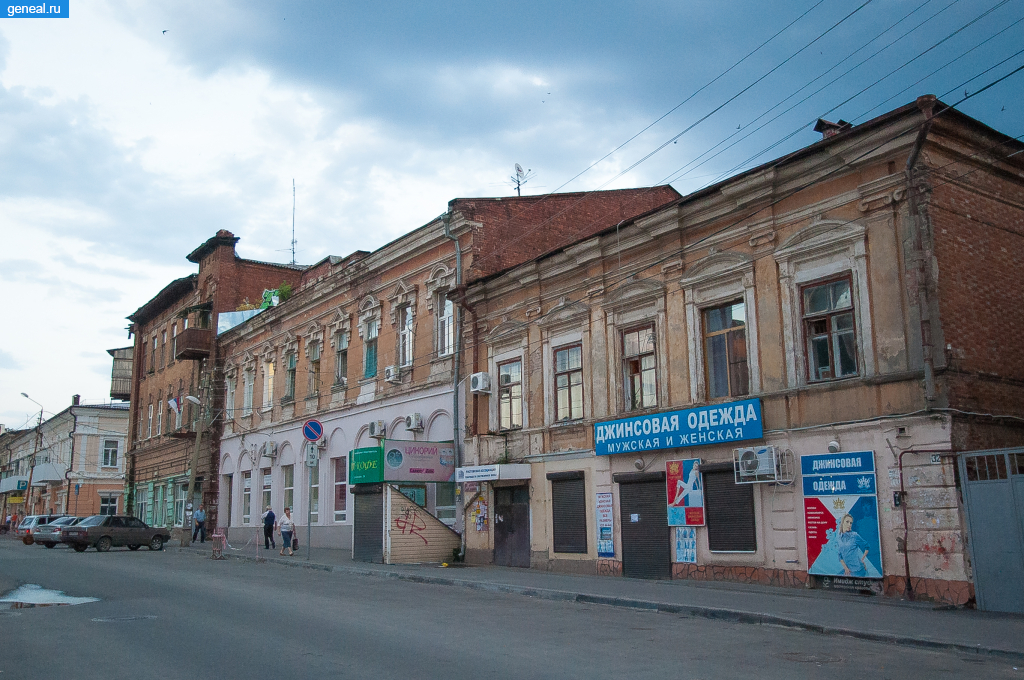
[32,468]
[186,539]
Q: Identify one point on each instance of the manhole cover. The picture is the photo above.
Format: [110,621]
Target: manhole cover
[118,619]
[804,657]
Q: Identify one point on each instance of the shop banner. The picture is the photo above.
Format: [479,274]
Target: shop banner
[366,466]
[685,493]
[841,515]
[605,525]
[406,461]
[717,424]
[686,545]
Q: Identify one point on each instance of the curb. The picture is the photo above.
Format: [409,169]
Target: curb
[692,611]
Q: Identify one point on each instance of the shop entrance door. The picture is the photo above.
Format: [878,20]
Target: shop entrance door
[512,526]
[643,510]
[368,523]
[993,486]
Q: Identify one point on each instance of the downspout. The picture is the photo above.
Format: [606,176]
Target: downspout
[456,356]
[926,103]
[71,458]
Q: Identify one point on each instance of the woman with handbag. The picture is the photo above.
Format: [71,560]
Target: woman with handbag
[287,526]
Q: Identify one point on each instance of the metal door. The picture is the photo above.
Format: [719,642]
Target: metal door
[512,526]
[993,487]
[643,510]
[368,523]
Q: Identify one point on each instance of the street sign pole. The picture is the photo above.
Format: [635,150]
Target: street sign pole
[313,431]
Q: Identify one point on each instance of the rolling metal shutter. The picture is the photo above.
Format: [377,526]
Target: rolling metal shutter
[368,523]
[645,541]
[569,511]
[730,510]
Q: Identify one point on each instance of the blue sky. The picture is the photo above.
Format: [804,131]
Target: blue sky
[122,146]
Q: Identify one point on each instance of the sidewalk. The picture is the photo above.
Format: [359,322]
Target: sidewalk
[868,618]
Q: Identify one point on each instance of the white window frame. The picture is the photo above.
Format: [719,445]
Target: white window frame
[823,250]
[142,502]
[268,384]
[335,484]
[229,398]
[159,415]
[314,492]
[247,496]
[105,461]
[445,327]
[712,282]
[248,379]
[149,430]
[180,492]
[105,502]
[406,333]
[289,491]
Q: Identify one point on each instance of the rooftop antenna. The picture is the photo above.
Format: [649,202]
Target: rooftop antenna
[293,220]
[520,178]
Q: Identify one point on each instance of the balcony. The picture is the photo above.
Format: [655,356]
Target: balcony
[193,343]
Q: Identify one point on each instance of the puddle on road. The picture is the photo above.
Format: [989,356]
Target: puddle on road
[32,595]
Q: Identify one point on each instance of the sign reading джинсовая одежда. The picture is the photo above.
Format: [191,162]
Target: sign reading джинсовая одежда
[715,424]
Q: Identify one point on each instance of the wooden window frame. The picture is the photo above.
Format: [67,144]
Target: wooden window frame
[726,332]
[628,374]
[509,388]
[570,417]
[807,318]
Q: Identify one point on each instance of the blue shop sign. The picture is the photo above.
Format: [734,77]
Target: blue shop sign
[840,485]
[838,463]
[717,424]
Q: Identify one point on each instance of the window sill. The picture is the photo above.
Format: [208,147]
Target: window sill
[339,387]
[367,380]
[568,423]
[287,400]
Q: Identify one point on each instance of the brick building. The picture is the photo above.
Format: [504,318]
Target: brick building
[850,308]
[371,338]
[175,355]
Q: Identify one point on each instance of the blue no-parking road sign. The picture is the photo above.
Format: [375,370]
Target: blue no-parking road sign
[312,430]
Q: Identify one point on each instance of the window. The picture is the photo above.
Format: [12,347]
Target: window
[108,505]
[444,502]
[289,377]
[370,349]
[159,413]
[510,395]
[181,490]
[247,380]
[640,364]
[446,329]
[340,488]
[267,486]
[179,406]
[725,350]
[170,411]
[729,509]
[405,337]
[314,493]
[142,504]
[152,354]
[569,383]
[110,453]
[229,398]
[246,497]
[163,349]
[160,511]
[268,384]
[568,512]
[288,471]
[830,331]
[174,340]
[142,357]
[314,369]
[149,427]
[341,358]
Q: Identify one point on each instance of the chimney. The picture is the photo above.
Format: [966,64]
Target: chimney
[829,129]
[76,399]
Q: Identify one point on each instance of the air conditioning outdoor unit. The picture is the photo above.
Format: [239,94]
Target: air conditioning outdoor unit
[756,464]
[378,429]
[480,383]
[392,374]
[414,422]
[268,450]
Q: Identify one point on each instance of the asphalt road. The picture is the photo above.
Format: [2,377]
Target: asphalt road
[179,615]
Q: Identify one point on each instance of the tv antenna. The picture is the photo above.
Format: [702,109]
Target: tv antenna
[520,178]
[293,220]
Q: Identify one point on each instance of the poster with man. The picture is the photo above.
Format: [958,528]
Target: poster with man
[685,493]
[841,515]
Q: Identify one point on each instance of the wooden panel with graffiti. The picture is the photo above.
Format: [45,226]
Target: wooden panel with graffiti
[414,535]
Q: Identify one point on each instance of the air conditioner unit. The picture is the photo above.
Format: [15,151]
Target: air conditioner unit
[392,374]
[480,383]
[414,421]
[268,450]
[756,464]
[378,429]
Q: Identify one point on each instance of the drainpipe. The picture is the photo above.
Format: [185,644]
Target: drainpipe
[71,458]
[456,356]
[917,224]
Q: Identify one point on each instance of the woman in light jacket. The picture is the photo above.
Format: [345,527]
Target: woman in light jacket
[287,526]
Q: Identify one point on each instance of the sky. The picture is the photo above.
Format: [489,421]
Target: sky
[130,132]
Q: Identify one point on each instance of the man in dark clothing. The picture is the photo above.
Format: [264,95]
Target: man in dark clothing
[269,521]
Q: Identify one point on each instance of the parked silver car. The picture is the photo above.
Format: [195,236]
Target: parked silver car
[107,531]
[49,534]
[29,525]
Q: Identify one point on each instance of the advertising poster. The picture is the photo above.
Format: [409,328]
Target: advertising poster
[605,525]
[366,466]
[685,493]
[686,545]
[841,515]
[406,461]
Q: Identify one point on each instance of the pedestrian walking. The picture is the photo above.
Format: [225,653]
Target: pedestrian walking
[200,530]
[287,526]
[269,522]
